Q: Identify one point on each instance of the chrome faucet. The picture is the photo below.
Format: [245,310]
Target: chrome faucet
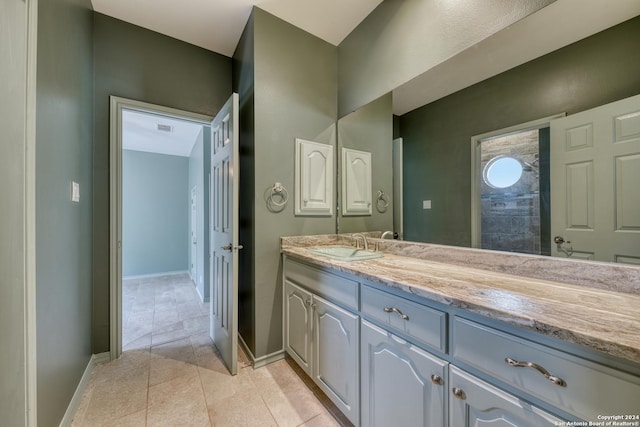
[364,239]
[387,233]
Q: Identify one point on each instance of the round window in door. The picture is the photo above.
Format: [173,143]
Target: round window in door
[502,172]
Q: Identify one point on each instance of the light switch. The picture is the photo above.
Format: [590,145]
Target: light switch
[75,192]
[426,204]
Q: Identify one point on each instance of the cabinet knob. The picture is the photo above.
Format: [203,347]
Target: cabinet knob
[437,379]
[459,393]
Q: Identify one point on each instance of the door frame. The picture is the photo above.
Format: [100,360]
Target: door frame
[476,140]
[116,107]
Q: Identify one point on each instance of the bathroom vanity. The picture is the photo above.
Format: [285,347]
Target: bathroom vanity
[404,341]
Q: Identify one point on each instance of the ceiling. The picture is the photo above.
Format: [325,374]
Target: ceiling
[140,133]
[217,25]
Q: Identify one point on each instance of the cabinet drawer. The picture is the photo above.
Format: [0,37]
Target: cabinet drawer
[425,324]
[339,289]
[586,389]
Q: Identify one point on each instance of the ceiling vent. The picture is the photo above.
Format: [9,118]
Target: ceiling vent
[165,128]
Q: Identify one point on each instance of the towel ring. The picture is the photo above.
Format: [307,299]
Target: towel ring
[382,201]
[278,190]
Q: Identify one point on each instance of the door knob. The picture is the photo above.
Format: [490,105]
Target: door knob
[227,247]
[560,240]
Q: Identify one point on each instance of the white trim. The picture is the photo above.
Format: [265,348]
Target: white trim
[476,210]
[117,105]
[263,360]
[95,359]
[151,275]
[31,355]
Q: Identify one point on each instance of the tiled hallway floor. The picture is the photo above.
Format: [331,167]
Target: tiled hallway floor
[171,375]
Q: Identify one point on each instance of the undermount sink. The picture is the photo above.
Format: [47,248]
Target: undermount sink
[344,253]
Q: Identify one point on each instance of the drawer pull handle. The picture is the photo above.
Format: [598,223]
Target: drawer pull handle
[437,379]
[459,393]
[556,380]
[397,311]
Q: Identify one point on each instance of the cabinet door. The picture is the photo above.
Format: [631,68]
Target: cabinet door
[476,403]
[356,182]
[402,385]
[336,360]
[297,325]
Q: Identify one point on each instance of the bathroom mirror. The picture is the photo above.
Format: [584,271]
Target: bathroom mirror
[437,189]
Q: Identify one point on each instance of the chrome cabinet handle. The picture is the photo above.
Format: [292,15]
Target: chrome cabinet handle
[437,379]
[397,311]
[556,380]
[459,393]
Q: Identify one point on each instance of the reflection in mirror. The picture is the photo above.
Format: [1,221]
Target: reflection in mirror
[436,155]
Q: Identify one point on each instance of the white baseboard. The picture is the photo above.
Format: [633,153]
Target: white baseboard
[96,359]
[148,276]
[263,360]
[203,299]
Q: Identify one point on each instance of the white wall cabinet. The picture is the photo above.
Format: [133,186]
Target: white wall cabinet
[356,182]
[324,340]
[474,402]
[401,384]
[314,187]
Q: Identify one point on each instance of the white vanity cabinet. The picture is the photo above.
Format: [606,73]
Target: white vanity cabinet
[390,359]
[322,337]
[401,384]
[474,402]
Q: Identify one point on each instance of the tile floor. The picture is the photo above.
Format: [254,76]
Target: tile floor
[171,375]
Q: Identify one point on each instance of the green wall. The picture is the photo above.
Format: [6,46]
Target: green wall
[155,213]
[14,258]
[402,39]
[294,95]
[139,64]
[437,154]
[63,228]
[370,129]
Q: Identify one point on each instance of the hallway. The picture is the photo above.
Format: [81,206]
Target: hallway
[171,375]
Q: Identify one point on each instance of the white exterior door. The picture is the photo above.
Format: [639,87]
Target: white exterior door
[224,232]
[194,235]
[595,171]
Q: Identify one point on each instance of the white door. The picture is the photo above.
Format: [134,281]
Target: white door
[336,357]
[401,384]
[595,171]
[224,232]
[194,235]
[474,403]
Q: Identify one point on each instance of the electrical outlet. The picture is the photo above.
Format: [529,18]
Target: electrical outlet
[426,204]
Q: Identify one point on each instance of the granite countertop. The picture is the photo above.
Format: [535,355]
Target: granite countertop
[603,320]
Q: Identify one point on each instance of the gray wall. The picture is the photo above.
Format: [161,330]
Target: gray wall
[155,213]
[136,63]
[294,95]
[63,228]
[199,168]
[13,249]
[372,64]
[370,128]
[243,84]
[595,71]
